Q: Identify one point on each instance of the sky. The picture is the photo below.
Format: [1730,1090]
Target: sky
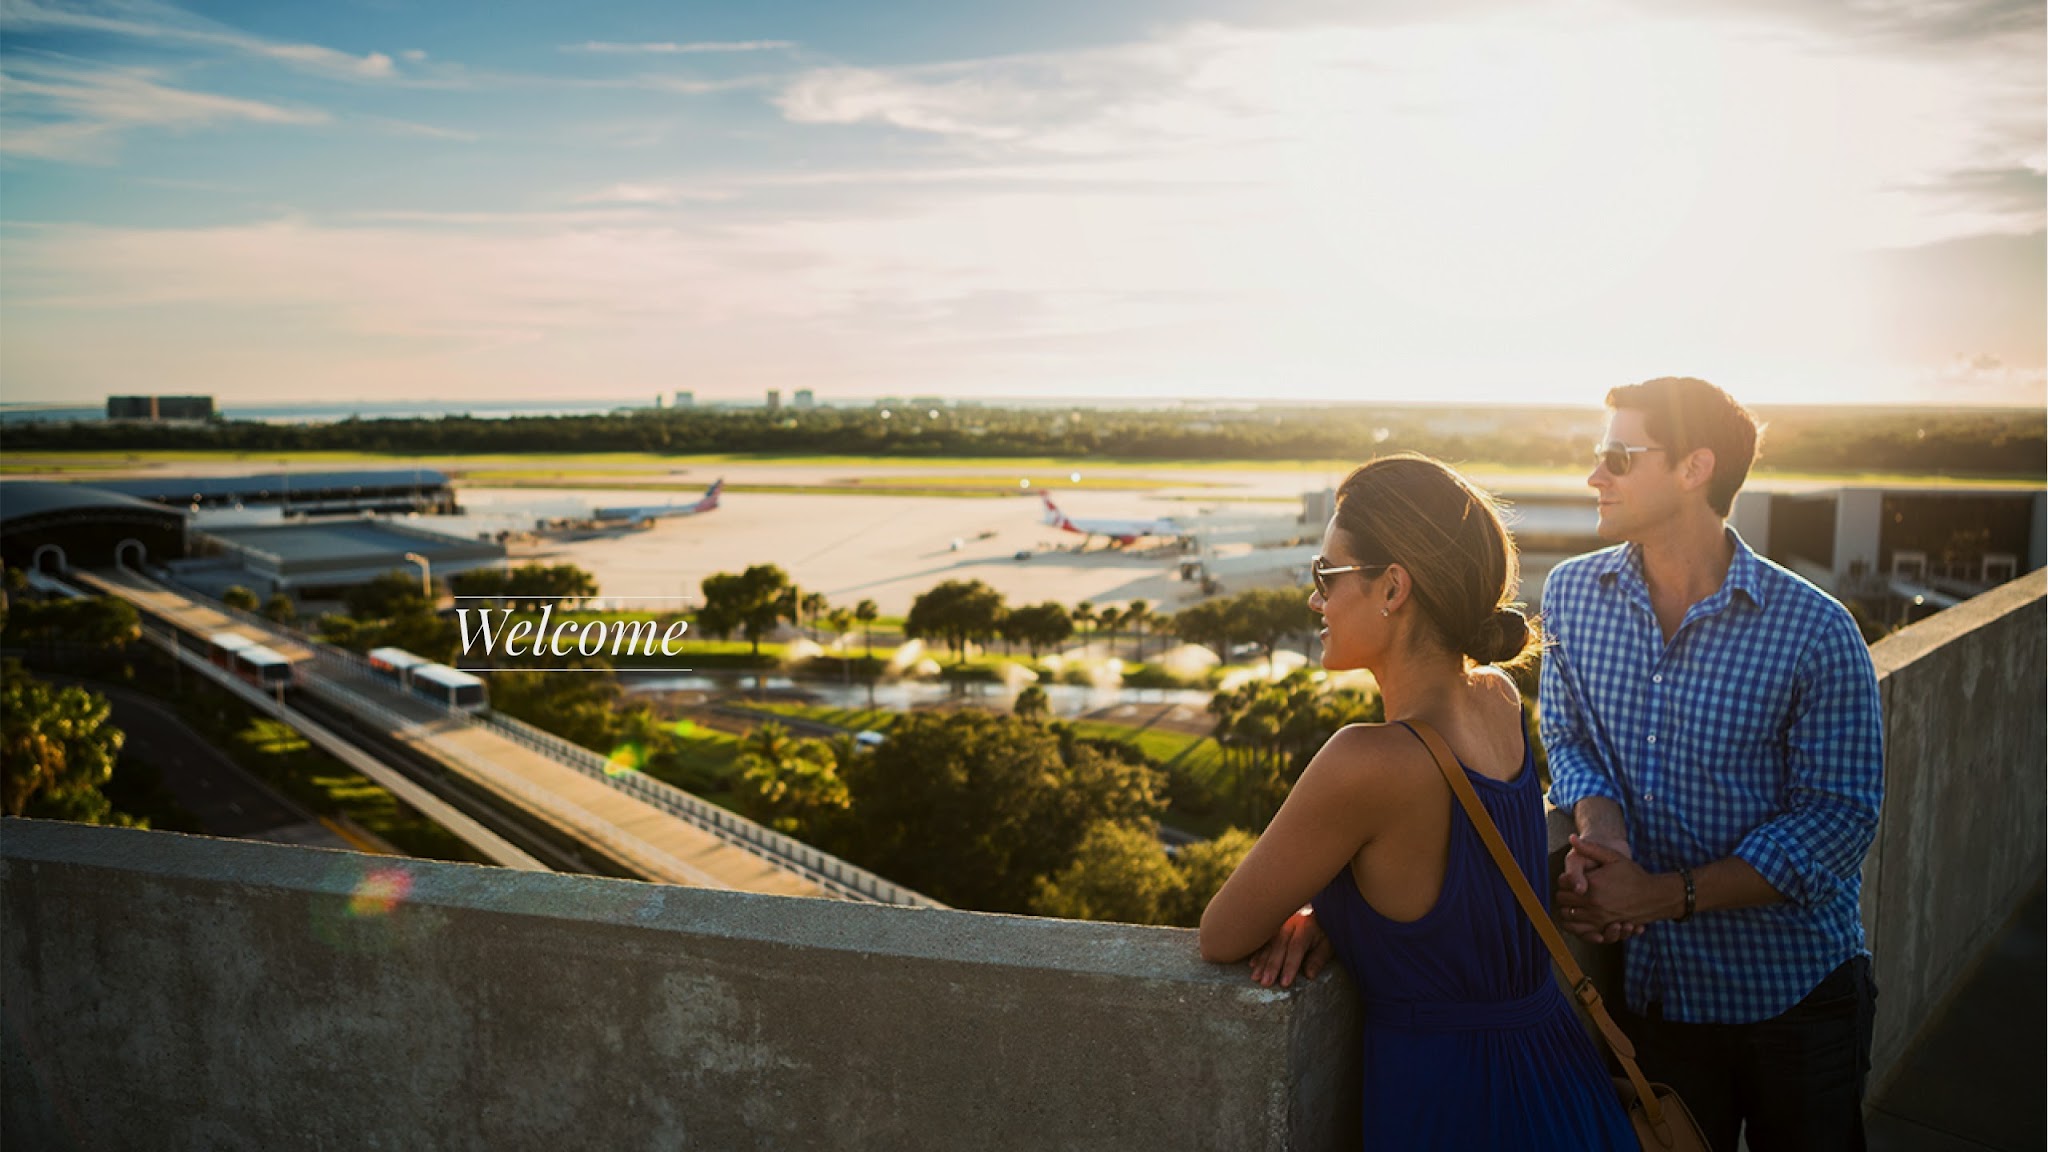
[1483,201]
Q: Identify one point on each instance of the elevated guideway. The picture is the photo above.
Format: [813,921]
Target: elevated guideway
[647,828]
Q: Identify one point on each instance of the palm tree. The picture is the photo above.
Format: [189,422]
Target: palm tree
[813,605]
[840,621]
[1084,618]
[1107,618]
[770,741]
[867,613]
[1136,615]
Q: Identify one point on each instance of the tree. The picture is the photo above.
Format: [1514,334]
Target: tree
[797,792]
[769,741]
[1038,626]
[1269,615]
[1119,873]
[57,748]
[1269,731]
[530,586]
[1107,618]
[752,603]
[582,709]
[971,808]
[1084,621]
[280,609]
[1208,623]
[810,606]
[240,599]
[393,593]
[1033,705]
[1136,615]
[867,614]
[1203,869]
[959,612]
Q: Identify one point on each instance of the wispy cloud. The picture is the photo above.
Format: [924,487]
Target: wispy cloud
[76,112]
[428,131]
[159,22]
[654,194]
[671,48]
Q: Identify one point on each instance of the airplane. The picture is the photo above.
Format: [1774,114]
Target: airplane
[645,515]
[1123,532]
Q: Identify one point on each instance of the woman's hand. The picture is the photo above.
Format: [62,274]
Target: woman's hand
[1299,947]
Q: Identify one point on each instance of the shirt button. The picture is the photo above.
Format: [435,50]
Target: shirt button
[1649,797]
[1657,679]
[1653,739]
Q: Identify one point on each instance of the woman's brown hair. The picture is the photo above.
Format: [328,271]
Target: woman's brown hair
[1416,512]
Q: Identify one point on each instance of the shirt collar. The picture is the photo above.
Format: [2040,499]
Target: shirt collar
[1624,566]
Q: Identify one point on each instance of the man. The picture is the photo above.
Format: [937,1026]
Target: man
[1713,728]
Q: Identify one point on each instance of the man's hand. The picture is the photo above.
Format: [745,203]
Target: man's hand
[1299,947]
[1618,897]
[1601,825]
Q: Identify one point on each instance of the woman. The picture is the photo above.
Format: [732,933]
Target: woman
[1468,1041]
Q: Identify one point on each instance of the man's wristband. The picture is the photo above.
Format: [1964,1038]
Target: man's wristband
[1691,896]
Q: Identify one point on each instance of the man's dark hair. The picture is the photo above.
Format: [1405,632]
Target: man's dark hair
[1683,414]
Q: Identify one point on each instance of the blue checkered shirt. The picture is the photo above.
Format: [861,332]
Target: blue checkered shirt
[1754,733]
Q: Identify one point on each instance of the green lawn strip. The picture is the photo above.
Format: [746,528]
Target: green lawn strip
[702,763]
[851,719]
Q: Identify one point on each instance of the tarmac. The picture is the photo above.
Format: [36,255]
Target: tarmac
[1977,1080]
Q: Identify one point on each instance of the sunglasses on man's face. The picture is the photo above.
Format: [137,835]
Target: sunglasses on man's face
[1321,573]
[1617,457]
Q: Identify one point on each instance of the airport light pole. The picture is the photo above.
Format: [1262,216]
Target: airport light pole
[426,575]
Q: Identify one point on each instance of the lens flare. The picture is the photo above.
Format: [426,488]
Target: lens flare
[625,758]
[378,892]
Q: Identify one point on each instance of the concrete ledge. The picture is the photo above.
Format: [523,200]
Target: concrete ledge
[1960,843]
[182,992]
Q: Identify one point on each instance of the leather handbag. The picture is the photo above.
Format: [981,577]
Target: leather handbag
[1662,1122]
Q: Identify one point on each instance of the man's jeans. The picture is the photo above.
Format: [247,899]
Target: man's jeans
[1795,1081]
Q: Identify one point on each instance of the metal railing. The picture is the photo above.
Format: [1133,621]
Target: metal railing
[822,868]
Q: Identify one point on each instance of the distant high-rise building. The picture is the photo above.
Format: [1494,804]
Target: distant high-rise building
[804,400]
[775,399]
[159,407]
[685,400]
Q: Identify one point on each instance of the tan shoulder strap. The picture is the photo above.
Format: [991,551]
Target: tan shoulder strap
[1582,986]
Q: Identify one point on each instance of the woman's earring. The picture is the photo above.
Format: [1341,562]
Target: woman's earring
[1386,612]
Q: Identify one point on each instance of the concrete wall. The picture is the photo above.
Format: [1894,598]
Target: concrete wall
[1966,781]
[166,991]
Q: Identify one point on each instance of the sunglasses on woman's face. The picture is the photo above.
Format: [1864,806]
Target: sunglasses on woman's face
[1321,573]
[1617,457]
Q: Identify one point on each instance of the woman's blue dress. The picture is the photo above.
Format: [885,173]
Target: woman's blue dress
[1469,1042]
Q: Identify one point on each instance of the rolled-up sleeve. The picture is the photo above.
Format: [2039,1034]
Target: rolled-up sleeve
[1835,773]
[1577,770]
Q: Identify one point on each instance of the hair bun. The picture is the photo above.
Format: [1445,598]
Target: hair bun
[1500,637]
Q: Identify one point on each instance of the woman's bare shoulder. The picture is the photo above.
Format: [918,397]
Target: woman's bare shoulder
[1368,759]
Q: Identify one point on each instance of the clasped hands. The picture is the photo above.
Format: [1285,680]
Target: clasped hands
[1604,895]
